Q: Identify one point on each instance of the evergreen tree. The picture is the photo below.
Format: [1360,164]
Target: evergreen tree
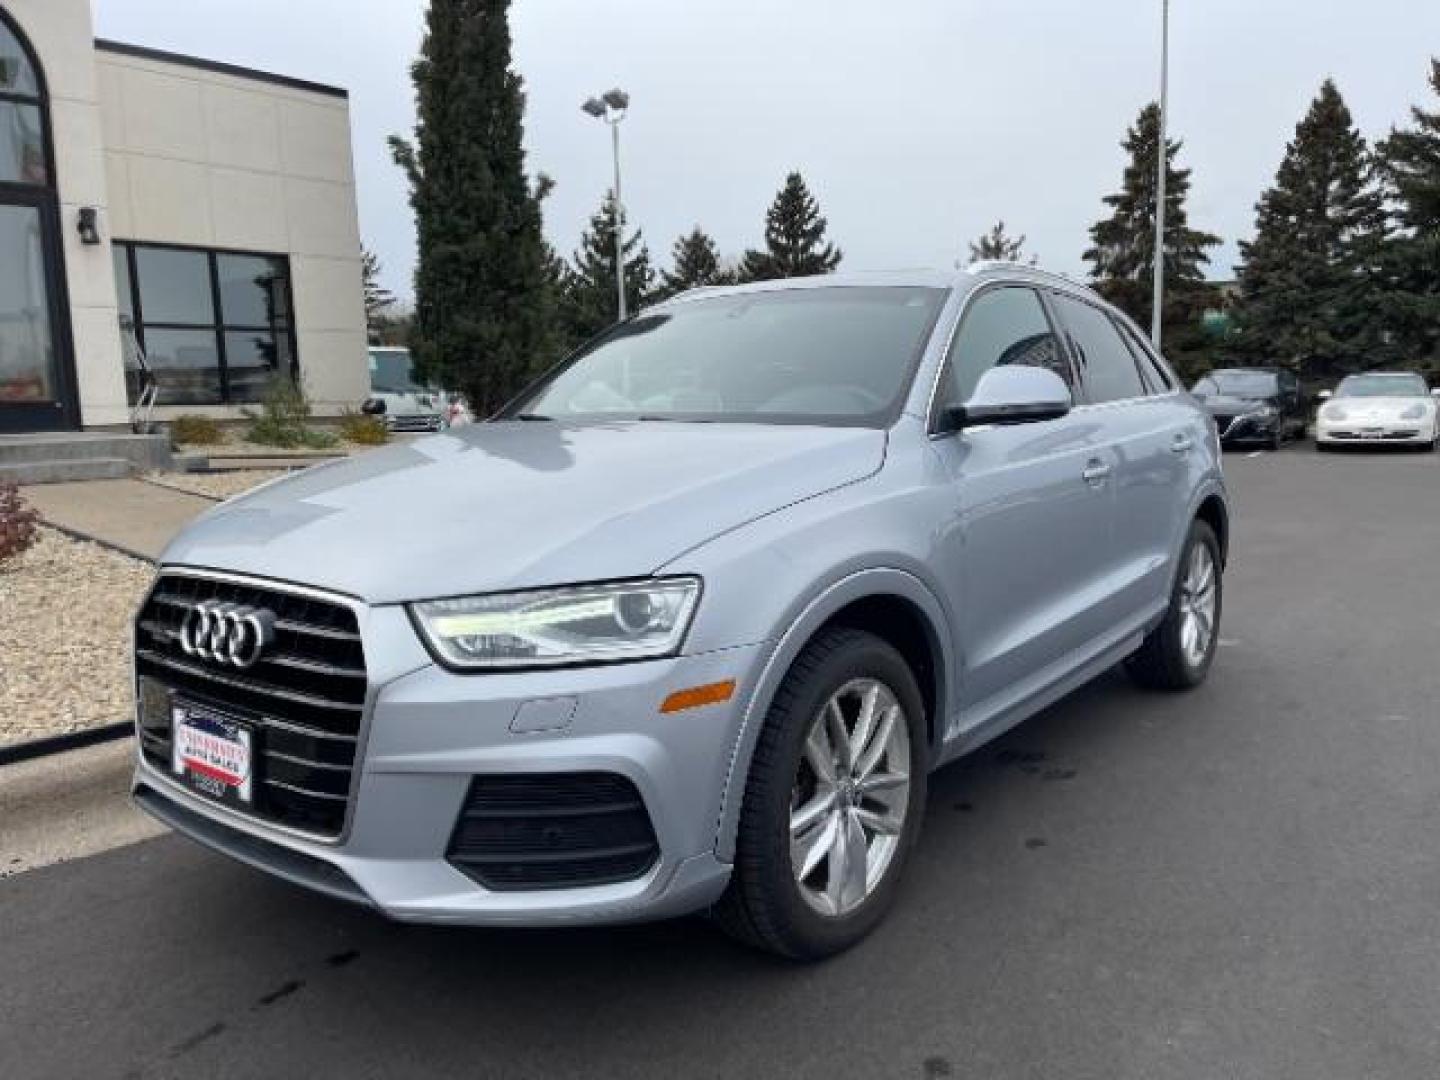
[997,246]
[1122,255]
[795,244]
[1311,292]
[697,263]
[1410,163]
[590,301]
[484,309]
[378,299]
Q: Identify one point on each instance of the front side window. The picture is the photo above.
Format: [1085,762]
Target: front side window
[215,326]
[838,355]
[1001,326]
[1106,366]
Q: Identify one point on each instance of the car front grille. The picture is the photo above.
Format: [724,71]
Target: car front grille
[304,698]
[415,422]
[552,831]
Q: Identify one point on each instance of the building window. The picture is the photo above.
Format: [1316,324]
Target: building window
[23,159]
[215,326]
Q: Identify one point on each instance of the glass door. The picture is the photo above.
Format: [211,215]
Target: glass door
[32,397]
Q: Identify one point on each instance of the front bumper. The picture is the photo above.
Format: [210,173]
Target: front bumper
[1373,432]
[428,732]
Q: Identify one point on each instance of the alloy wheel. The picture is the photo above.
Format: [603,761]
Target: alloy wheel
[1197,605]
[849,799]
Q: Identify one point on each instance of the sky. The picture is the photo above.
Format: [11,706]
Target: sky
[917,123]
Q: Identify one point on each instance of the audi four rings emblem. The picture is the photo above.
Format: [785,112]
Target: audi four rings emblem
[231,634]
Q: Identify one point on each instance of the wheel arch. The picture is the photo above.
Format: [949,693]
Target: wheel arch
[891,603]
[1213,511]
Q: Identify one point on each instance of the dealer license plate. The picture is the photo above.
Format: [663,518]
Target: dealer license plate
[212,752]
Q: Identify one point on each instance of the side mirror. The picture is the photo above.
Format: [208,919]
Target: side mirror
[1012,395]
[1324,395]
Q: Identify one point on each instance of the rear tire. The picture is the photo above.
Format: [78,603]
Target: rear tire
[771,903]
[1172,657]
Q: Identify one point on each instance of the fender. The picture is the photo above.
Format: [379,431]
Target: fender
[878,581]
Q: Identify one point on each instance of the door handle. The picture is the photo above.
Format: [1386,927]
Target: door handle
[1182,444]
[1095,473]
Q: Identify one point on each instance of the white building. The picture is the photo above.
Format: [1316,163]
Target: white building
[212,206]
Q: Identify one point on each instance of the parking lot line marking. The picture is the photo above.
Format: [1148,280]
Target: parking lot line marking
[1253,453]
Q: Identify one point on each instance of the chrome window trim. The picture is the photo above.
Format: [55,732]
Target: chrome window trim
[219,811]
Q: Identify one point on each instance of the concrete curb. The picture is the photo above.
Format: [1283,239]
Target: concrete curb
[76,534]
[46,745]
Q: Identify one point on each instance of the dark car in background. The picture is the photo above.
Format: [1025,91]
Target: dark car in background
[1254,405]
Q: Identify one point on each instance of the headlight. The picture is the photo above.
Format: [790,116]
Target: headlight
[1332,412]
[1413,412]
[583,624]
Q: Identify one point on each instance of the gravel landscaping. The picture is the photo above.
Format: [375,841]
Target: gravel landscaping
[218,485]
[65,611]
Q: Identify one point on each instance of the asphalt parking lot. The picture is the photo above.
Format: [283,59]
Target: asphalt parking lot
[1239,882]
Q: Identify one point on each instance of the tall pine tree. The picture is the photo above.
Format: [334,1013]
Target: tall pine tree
[697,263]
[1311,294]
[1122,252]
[795,244]
[998,246]
[484,308]
[590,302]
[1410,164]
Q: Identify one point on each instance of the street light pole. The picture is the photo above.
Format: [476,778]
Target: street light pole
[611,107]
[1160,170]
[619,223]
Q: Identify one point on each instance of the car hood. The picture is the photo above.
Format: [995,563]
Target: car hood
[515,505]
[1376,408]
[1229,405]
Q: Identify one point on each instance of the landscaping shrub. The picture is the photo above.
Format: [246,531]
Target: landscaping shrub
[362,429]
[17,523]
[283,419]
[196,431]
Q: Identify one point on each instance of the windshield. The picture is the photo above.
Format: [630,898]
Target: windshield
[392,372]
[838,355]
[1245,384]
[1383,386]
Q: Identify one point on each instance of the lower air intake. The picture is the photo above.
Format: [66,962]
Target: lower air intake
[552,831]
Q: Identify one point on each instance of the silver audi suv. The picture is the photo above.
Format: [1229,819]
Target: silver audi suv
[698,613]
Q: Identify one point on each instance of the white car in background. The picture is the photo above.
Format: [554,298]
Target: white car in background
[397,397]
[1379,407]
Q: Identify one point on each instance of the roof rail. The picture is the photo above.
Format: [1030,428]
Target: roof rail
[980,266]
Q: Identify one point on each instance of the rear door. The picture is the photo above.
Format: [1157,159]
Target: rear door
[1029,533]
[1152,433]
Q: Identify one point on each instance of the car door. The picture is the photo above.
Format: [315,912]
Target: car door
[1152,434]
[1031,515]
[1292,404]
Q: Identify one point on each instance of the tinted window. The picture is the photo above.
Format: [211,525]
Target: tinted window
[22,144]
[174,286]
[16,74]
[1001,326]
[1105,363]
[201,353]
[1154,372]
[1244,384]
[842,355]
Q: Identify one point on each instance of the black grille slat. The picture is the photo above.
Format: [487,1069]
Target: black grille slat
[552,831]
[305,698]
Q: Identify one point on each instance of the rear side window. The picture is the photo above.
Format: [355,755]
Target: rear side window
[1106,366]
[1154,372]
[1001,326]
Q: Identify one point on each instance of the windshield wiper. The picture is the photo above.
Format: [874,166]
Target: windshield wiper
[531,417]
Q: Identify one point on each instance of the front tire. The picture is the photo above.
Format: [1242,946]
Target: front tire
[833,801]
[1177,654]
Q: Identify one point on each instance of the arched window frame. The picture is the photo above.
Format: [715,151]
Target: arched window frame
[40,99]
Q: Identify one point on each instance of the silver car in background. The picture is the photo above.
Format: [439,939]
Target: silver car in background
[697,614]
